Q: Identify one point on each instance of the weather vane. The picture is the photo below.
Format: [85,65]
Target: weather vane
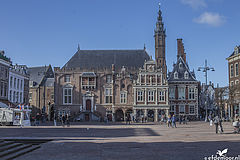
[159,6]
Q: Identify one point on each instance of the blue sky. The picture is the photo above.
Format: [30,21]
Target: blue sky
[36,33]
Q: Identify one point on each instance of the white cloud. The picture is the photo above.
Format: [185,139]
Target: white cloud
[195,3]
[211,19]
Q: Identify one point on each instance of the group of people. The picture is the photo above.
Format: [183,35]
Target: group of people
[171,120]
[64,119]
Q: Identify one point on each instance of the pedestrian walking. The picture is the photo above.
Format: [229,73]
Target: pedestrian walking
[173,121]
[145,119]
[63,120]
[68,120]
[184,119]
[55,119]
[142,119]
[236,124]
[216,121]
[37,119]
[128,119]
[180,119]
[169,121]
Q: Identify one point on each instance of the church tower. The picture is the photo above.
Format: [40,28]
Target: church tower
[160,36]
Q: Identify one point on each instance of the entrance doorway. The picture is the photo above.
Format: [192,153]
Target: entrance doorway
[119,115]
[88,105]
[151,116]
[87,117]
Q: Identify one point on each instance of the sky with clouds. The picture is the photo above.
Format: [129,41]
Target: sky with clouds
[38,33]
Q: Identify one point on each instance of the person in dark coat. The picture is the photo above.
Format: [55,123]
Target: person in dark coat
[128,119]
[173,121]
[68,120]
[180,118]
[63,120]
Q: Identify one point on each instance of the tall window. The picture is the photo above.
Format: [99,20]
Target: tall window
[20,100]
[67,96]
[182,109]
[108,95]
[236,69]
[10,96]
[172,109]
[6,73]
[52,95]
[140,96]
[30,96]
[191,109]
[191,93]
[109,78]
[2,73]
[123,98]
[21,85]
[14,83]
[11,79]
[2,89]
[18,84]
[5,90]
[161,96]
[17,96]
[14,95]
[67,78]
[231,70]
[181,93]
[171,93]
[150,96]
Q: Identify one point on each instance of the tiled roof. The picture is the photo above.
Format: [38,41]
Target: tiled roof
[105,58]
[181,71]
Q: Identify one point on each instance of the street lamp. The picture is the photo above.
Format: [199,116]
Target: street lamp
[205,69]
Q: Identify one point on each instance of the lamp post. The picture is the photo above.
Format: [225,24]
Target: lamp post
[205,69]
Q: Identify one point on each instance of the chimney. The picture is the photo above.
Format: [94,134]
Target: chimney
[181,50]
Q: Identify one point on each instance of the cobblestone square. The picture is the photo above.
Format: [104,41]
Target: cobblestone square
[195,140]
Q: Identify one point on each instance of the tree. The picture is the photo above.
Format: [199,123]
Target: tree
[220,98]
[233,97]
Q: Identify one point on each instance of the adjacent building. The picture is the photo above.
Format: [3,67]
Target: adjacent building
[233,74]
[18,84]
[183,86]
[5,64]
[41,90]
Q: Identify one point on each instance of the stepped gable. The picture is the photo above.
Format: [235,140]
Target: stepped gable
[181,71]
[105,58]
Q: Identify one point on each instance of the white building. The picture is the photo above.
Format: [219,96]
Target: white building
[17,75]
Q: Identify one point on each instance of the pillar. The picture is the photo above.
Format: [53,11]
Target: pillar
[124,115]
[145,112]
[156,115]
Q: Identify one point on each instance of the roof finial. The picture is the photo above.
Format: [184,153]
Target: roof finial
[144,48]
[159,6]
[78,47]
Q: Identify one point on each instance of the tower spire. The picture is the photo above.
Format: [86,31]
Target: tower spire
[159,34]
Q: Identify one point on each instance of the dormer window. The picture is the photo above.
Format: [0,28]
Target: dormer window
[186,75]
[180,65]
[175,75]
[236,50]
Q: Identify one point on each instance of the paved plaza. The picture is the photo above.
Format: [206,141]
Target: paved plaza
[196,140]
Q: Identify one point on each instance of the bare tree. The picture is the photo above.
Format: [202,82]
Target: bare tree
[220,98]
[233,97]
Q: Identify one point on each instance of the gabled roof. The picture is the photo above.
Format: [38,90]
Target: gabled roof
[37,73]
[234,52]
[181,71]
[105,58]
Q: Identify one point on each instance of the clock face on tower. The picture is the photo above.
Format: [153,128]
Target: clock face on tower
[160,38]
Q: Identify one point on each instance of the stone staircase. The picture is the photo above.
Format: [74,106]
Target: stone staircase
[13,148]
